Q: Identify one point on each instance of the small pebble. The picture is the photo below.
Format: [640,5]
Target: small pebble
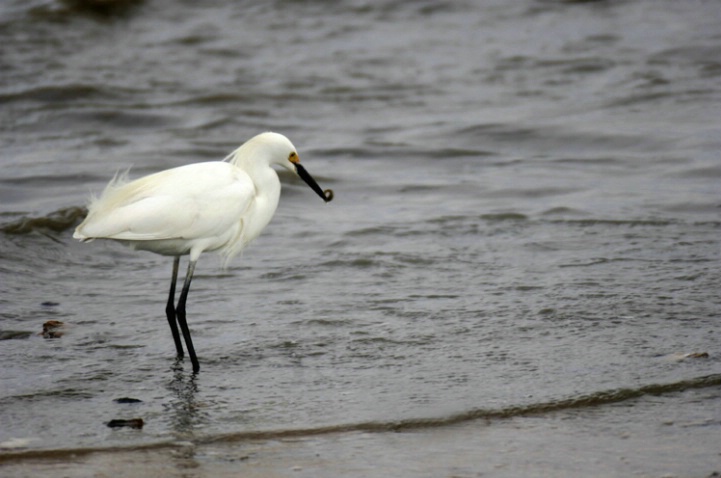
[136,423]
[52,329]
[127,400]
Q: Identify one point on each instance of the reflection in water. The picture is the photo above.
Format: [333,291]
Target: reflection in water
[184,409]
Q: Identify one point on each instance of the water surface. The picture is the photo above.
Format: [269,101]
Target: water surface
[526,220]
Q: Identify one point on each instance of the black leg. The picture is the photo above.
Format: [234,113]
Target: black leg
[170,309]
[180,310]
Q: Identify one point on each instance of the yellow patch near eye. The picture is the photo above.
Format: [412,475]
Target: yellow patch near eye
[293,157]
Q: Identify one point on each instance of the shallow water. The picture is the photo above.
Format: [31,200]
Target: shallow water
[527,214]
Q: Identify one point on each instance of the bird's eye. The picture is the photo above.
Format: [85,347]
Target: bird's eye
[293,157]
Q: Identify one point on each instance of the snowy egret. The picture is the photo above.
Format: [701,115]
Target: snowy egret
[215,206]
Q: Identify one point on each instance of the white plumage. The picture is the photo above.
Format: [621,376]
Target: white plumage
[214,206]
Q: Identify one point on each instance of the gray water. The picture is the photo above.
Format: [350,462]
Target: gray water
[527,215]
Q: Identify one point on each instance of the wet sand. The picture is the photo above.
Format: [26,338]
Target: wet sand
[632,438]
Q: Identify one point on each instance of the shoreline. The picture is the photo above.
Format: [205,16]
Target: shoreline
[634,438]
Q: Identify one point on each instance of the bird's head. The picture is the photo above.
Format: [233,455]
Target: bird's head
[283,153]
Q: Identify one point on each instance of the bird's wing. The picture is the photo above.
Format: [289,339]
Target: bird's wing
[189,202]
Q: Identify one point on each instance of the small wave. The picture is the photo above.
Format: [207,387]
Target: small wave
[563,211]
[117,118]
[57,221]
[504,216]
[584,401]
[72,92]
[617,222]
[101,9]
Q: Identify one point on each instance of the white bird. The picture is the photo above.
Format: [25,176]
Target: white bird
[214,206]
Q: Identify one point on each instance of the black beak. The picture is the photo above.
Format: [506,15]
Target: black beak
[326,195]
